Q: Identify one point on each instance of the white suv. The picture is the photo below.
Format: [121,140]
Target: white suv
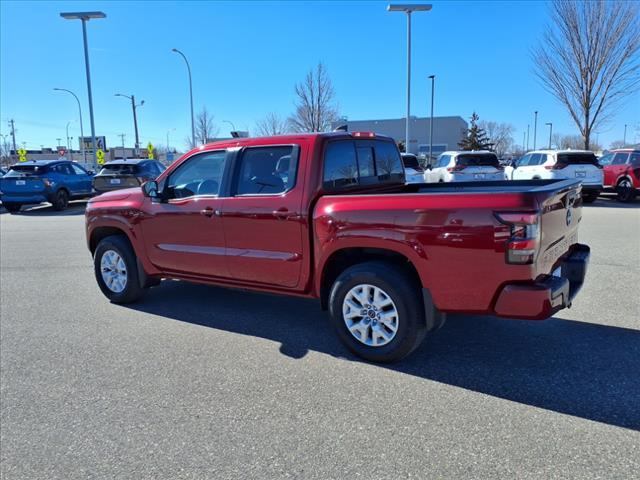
[560,164]
[465,166]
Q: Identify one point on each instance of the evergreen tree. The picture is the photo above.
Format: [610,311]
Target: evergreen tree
[475,138]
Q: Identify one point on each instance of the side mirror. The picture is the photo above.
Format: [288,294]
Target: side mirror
[150,189]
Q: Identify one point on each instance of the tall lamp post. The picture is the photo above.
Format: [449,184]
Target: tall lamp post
[193,128]
[69,146]
[135,117]
[84,155]
[550,125]
[85,17]
[528,130]
[624,138]
[535,128]
[408,9]
[433,85]
[168,132]
[233,127]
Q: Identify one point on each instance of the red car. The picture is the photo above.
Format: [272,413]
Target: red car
[329,216]
[622,173]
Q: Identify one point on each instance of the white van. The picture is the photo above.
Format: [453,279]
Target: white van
[560,164]
[465,166]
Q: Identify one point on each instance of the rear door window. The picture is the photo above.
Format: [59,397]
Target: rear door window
[634,160]
[78,170]
[267,170]
[620,159]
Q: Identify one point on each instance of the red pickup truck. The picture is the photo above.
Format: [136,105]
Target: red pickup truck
[329,216]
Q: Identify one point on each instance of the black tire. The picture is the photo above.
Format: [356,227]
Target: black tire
[120,245]
[60,200]
[12,207]
[626,192]
[589,197]
[405,294]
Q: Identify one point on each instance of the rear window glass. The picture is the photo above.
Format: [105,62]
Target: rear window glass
[22,170]
[411,161]
[120,169]
[477,160]
[577,158]
[348,163]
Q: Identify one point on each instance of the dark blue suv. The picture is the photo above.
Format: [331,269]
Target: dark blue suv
[53,181]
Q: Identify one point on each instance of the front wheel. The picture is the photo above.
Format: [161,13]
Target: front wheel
[12,207]
[626,192]
[376,310]
[116,271]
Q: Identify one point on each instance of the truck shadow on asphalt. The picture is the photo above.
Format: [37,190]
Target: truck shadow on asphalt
[576,368]
[609,201]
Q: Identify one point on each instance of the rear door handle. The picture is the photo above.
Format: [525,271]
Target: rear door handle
[207,212]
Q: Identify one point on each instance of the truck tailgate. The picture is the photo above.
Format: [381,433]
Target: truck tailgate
[560,215]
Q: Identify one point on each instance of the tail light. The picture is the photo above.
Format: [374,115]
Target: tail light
[455,168]
[556,166]
[363,134]
[524,243]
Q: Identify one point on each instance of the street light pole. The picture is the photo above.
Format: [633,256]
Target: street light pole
[84,155]
[528,130]
[230,123]
[433,85]
[193,128]
[135,118]
[535,128]
[624,138]
[550,125]
[168,132]
[85,17]
[408,9]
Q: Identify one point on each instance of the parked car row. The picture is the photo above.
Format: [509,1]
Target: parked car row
[59,181]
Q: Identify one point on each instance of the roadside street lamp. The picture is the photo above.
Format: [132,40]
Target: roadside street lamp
[69,149]
[535,128]
[528,130]
[433,84]
[193,128]
[85,17]
[233,127]
[135,117]
[408,9]
[624,138]
[84,155]
[168,132]
[550,125]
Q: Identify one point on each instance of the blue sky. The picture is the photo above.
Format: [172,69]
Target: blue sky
[247,56]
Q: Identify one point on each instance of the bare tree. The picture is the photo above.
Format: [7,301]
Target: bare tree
[315,108]
[588,58]
[501,134]
[272,124]
[206,129]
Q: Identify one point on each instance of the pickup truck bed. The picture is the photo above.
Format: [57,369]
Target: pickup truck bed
[328,216]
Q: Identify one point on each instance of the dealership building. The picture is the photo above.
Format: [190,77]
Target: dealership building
[447,131]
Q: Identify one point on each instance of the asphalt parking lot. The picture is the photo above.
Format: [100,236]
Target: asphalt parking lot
[202,382]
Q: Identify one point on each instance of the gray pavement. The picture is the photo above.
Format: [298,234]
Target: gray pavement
[202,382]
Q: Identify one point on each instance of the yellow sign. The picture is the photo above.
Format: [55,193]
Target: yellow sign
[100,156]
[22,155]
[150,151]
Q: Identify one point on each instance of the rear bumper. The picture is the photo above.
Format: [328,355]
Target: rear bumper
[591,189]
[25,199]
[548,294]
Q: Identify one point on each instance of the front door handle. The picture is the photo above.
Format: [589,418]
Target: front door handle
[282,213]
[207,212]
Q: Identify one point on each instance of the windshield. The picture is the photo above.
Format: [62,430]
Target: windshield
[25,170]
[478,160]
[120,169]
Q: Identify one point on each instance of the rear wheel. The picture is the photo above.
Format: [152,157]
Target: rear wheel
[116,270]
[376,310]
[626,192]
[12,207]
[61,200]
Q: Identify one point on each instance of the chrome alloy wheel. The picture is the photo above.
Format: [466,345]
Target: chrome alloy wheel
[370,315]
[114,271]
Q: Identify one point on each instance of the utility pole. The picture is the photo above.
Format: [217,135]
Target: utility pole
[535,128]
[122,135]
[527,137]
[624,138]
[13,136]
